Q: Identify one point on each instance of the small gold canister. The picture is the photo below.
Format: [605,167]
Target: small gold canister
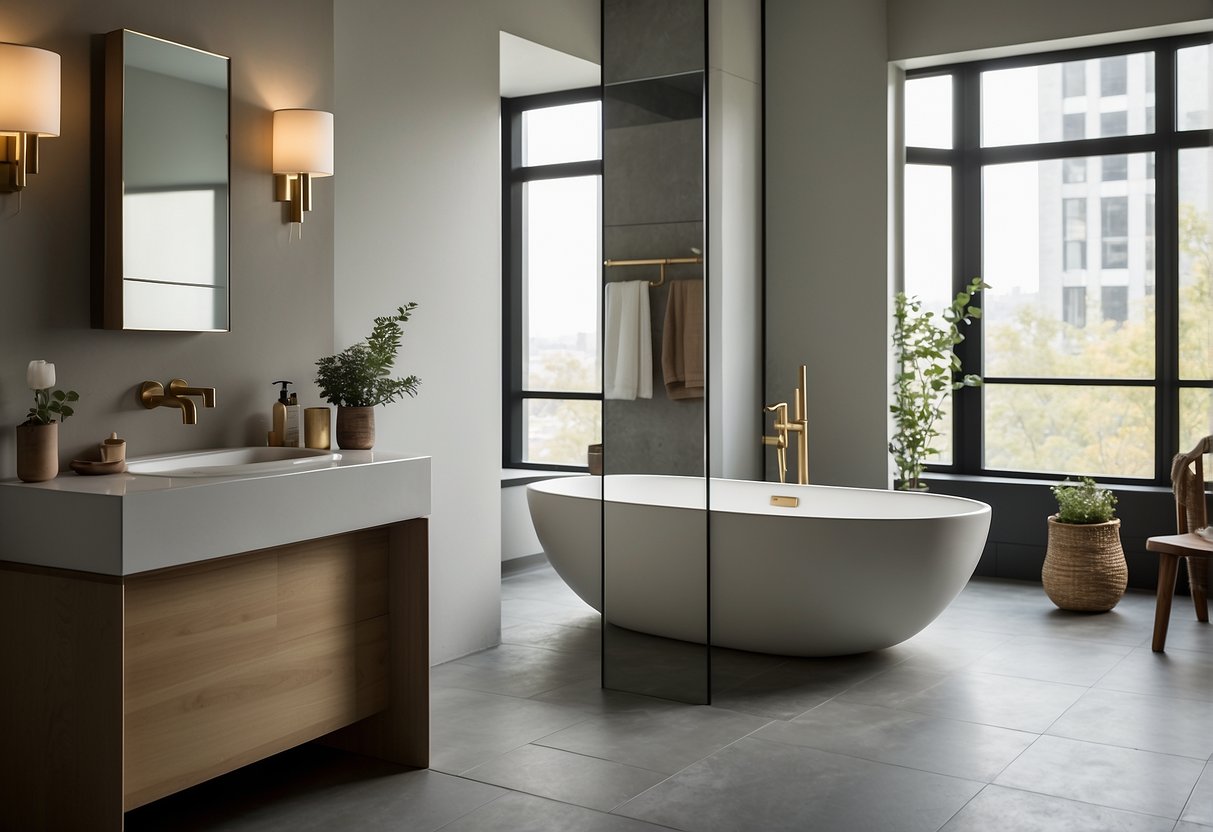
[316,428]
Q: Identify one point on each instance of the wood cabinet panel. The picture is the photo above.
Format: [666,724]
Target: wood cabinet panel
[228,664]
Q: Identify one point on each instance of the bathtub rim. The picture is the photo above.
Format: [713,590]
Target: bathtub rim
[554,487]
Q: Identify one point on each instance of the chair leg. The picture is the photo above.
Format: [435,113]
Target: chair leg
[1168,566]
[1198,583]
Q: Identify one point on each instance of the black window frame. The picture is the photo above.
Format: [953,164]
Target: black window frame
[513,177]
[967,158]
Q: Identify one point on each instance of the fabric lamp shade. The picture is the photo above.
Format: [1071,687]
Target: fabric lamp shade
[303,142]
[29,90]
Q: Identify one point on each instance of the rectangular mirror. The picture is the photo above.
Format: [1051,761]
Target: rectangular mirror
[161,247]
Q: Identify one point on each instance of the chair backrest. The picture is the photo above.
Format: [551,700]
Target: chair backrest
[1188,485]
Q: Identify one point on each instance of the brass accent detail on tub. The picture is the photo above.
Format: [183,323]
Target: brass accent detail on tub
[785,502]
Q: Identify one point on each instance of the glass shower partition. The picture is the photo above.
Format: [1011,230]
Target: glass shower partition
[655,553]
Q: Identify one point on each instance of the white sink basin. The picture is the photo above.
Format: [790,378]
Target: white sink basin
[231,462]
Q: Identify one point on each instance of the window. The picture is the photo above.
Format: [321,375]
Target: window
[1073,126]
[1114,231]
[1093,366]
[1074,306]
[1113,75]
[1114,124]
[1114,303]
[552,175]
[1075,230]
[1115,168]
[1073,79]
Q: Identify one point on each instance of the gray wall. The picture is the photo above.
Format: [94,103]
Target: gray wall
[653,206]
[418,218]
[919,28]
[281,291]
[827,261]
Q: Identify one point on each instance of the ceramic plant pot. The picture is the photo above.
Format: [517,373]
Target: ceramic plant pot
[355,428]
[38,452]
[1084,568]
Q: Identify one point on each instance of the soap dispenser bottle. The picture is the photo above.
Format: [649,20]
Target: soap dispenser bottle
[287,418]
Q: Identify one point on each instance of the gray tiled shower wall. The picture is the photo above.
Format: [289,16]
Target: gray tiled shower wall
[653,205]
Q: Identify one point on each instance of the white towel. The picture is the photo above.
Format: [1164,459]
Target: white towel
[628,357]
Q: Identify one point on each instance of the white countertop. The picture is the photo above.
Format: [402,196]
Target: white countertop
[123,524]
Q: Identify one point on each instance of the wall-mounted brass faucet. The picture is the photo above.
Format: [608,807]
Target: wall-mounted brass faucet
[799,425]
[152,395]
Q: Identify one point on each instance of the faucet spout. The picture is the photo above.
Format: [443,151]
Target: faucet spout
[178,387]
[152,395]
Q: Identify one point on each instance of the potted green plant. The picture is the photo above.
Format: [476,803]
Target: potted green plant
[927,370]
[359,378]
[1084,568]
[38,436]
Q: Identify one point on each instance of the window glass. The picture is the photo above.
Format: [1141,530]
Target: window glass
[928,258]
[1114,124]
[1069,429]
[929,112]
[1035,323]
[1114,231]
[1114,303]
[1114,76]
[568,133]
[1114,168]
[561,268]
[1031,104]
[1074,79]
[1195,419]
[1074,306]
[558,430]
[1192,88]
[1074,227]
[1195,265]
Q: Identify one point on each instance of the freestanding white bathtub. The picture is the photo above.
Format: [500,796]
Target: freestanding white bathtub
[846,571]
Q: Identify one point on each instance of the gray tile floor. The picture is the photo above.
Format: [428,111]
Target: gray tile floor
[1005,714]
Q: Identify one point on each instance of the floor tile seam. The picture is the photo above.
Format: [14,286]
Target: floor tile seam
[521,790]
[1109,686]
[1129,647]
[463,659]
[849,756]
[1086,802]
[1106,744]
[572,706]
[960,809]
[1188,799]
[956,718]
[567,651]
[494,799]
[938,717]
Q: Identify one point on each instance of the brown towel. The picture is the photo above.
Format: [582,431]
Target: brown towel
[682,340]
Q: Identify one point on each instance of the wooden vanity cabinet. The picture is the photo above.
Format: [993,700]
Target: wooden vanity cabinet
[117,691]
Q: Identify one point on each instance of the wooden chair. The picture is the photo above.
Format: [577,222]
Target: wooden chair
[1188,484]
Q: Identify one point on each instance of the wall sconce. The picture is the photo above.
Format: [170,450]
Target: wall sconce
[29,110]
[303,148]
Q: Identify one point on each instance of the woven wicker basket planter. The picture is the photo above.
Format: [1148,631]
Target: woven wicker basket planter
[1085,567]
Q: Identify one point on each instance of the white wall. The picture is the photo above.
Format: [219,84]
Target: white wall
[418,218]
[827,271]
